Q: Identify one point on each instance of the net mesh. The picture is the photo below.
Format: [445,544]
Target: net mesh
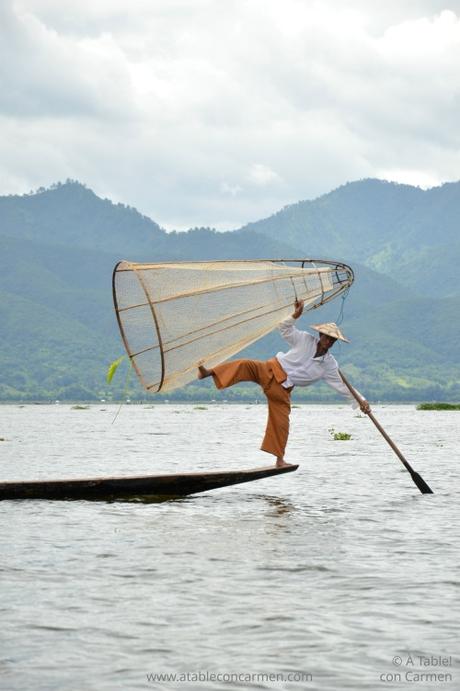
[174,316]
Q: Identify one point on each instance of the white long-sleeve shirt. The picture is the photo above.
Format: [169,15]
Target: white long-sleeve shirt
[301,366]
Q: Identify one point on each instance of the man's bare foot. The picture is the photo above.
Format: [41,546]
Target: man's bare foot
[281,463]
[203,372]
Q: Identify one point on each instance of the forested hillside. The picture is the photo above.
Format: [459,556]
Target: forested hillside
[59,247]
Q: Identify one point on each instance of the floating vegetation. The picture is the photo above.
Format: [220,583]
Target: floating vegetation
[339,436]
[200,407]
[2,439]
[80,407]
[438,406]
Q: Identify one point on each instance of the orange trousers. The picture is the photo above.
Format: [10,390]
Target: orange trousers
[269,375]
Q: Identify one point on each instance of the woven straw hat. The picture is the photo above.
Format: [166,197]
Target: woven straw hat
[330,329]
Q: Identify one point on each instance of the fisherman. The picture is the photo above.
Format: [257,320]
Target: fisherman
[307,362]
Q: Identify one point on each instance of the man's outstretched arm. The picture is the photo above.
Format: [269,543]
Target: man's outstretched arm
[287,328]
[334,380]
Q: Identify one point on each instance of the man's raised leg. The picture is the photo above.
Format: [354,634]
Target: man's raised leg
[235,371]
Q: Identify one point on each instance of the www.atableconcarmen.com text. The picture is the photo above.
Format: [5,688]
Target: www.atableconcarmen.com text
[232,677]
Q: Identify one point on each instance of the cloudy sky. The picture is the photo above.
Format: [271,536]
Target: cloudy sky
[218,112]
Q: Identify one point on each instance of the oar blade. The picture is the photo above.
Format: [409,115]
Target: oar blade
[419,481]
[421,484]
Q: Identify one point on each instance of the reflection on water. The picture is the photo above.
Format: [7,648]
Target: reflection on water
[332,570]
[280,506]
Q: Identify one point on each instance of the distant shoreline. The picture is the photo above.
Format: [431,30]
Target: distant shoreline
[172,402]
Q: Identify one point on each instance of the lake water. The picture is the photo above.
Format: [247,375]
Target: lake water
[339,576]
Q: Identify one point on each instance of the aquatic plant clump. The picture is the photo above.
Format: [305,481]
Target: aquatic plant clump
[339,436]
[438,406]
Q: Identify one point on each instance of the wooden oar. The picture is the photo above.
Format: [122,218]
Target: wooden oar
[418,480]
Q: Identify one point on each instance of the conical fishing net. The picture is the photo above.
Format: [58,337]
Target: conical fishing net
[174,316]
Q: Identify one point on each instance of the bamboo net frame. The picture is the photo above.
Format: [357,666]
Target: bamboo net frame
[174,316]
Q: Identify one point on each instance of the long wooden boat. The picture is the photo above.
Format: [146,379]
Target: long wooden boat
[140,488]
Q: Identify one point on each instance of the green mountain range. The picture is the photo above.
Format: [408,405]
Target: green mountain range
[404,232]
[59,246]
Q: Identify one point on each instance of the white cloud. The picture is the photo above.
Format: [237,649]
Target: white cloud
[207,113]
[262,175]
[418,178]
[232,190]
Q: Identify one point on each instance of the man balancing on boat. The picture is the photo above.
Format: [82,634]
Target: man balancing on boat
[307,362]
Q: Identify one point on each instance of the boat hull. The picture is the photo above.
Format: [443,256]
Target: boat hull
[144,487]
